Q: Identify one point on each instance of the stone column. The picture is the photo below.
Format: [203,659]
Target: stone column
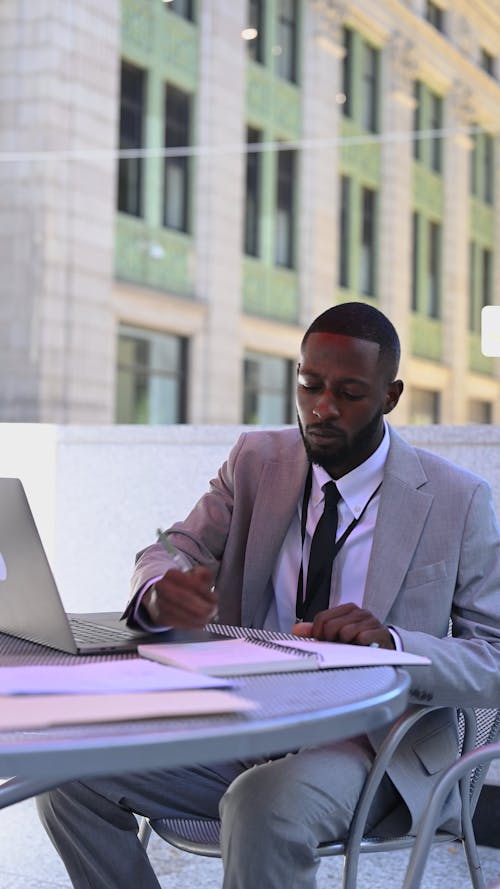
[395,209]
[455,257]
[219,201]
[319,199]
[58,108]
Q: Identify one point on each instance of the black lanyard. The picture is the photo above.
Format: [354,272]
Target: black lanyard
[302,604]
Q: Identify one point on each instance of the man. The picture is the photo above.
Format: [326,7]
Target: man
[417,544]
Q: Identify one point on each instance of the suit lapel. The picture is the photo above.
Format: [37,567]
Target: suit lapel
[403,510]
[280,487]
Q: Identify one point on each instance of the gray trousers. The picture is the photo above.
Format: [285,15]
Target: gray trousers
[274,814]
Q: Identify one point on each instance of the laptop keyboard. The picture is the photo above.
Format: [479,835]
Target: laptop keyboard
[85,631]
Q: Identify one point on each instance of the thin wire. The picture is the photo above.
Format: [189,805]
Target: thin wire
[241,147]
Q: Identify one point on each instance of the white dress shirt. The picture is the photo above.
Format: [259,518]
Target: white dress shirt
[350,566]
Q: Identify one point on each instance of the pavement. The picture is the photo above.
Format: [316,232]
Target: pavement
[28,861]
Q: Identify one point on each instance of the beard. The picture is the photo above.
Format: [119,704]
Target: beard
[344,453]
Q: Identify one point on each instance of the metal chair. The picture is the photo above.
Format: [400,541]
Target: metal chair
[460,771]
[477,728]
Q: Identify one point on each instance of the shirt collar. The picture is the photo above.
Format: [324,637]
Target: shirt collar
[357,486]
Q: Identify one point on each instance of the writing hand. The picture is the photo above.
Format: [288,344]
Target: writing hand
[346,623]
[182,598]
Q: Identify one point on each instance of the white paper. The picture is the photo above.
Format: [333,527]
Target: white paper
[132,675]
[337,654]
[27,712]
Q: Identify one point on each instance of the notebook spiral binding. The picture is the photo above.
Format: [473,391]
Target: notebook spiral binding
[266,638]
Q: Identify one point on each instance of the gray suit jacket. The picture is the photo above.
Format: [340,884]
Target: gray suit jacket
[435,556]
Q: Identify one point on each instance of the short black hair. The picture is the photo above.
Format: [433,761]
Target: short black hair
[363,322]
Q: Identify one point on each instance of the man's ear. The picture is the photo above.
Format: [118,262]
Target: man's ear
[393,394]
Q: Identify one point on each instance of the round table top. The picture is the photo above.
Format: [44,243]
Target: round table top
[293,709]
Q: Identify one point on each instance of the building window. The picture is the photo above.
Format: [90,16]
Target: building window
[486,277]
[347,72]
[487,62]
[268,387]
[151,377]
[480,411]
[435,15]
[415,260]
[256,20]
[252,195]
[474,164]
[488,169]
[482,166]
[426,266]
[433,270]
[368,241]
[369,90]
[417,120]
[183,8]
[344,230]
[360,80]
[425,407]
[474,320]
[287,40]
[284,243]
[480,283]
[436,123]
[130,169]
[176,168]
[428,122]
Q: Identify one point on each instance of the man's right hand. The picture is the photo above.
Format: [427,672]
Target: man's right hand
[182,598]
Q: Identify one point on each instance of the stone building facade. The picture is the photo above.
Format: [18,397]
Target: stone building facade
[180,195]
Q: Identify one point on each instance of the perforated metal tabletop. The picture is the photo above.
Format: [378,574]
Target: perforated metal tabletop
[293,709]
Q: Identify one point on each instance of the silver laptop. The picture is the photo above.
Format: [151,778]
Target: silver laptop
[30,605]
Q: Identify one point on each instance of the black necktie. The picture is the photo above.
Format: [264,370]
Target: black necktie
[319,572]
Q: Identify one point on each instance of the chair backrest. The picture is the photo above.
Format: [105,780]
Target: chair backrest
[464,766]
[486,731]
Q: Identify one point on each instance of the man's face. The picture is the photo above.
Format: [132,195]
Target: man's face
[342,396]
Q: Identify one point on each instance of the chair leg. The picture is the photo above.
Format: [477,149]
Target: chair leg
[472,857]
[468,837]
[350,871]
[144,833]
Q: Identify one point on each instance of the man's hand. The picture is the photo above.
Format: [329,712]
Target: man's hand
[182,598]
[346,623]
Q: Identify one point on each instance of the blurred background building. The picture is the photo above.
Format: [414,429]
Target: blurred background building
[184,185]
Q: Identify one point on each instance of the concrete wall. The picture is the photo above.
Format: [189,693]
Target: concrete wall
[98,493]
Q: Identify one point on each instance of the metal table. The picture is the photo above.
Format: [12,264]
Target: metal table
[294,709]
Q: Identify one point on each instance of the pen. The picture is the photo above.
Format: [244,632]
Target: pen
[177,557]
[180,561]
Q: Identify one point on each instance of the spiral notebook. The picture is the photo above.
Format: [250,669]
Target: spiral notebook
[243,656]
[231,657]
